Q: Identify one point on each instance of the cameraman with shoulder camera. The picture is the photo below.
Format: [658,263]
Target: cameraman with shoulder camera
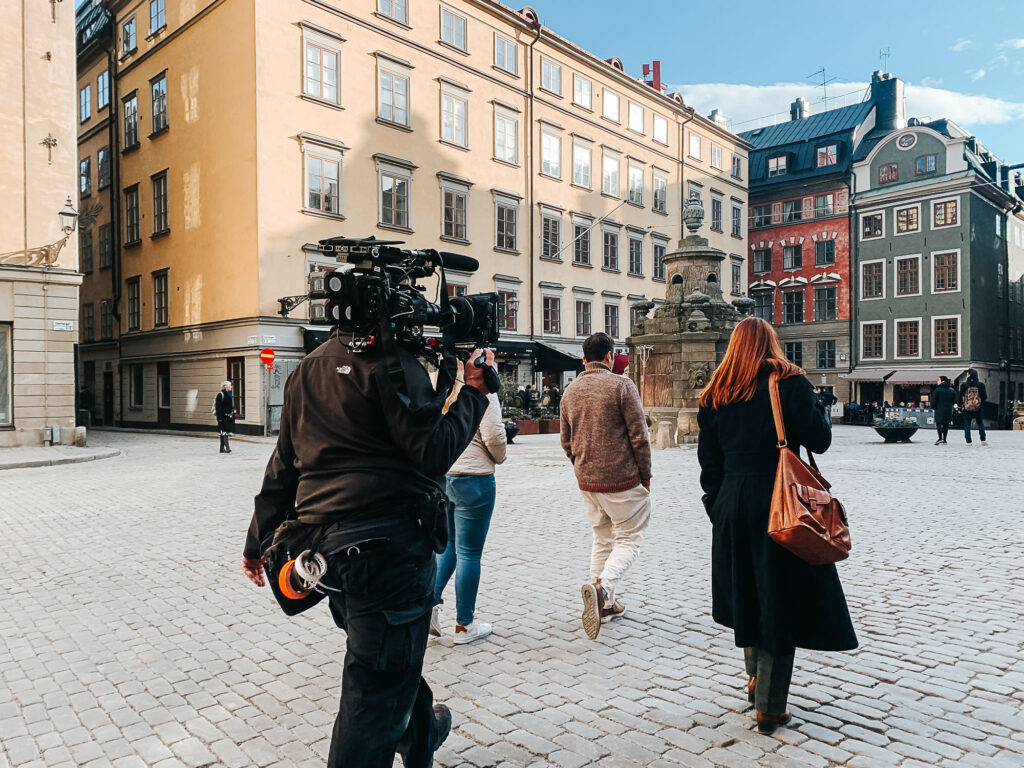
[360,461]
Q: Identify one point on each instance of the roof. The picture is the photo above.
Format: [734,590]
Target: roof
[809,128]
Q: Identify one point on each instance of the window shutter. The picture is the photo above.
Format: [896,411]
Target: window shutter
[776,213]
[808,208]
[842,201]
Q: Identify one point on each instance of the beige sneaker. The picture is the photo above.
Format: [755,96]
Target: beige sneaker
[593,602]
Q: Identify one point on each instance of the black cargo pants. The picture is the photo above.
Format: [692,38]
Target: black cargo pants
[387,590]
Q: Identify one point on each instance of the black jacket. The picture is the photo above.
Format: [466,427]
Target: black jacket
[224,409]
[943,398]
[768,596]
[352,446]
[982,392]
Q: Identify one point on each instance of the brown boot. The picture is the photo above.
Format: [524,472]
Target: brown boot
[768,723]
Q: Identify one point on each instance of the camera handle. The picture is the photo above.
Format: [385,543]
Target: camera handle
[490,375]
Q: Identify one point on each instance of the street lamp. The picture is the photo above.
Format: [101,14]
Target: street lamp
[68,217]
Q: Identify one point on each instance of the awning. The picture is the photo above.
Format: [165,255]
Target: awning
[924,375]
[514,348]
[867,374]
[553,360]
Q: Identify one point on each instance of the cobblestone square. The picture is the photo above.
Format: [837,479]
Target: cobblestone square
[130,637]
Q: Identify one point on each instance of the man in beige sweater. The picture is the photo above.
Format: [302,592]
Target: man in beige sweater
[604,434]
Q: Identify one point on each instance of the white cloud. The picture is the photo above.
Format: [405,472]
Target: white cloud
[976,74]
[1014,43]
[961,45]
[931,82]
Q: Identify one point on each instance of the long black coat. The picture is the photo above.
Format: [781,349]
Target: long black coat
[769,597]
[224,408]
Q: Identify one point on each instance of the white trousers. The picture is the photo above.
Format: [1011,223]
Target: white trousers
[618,520]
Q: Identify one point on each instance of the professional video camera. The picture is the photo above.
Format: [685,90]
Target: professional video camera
[376,296]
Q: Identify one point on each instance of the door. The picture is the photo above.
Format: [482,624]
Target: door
[163,395]
[108,398]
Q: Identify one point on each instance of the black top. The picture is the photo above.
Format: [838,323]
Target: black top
[982,392]
[943,398]
[352,446]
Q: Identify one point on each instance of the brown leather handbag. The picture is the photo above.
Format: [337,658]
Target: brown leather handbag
[805,518]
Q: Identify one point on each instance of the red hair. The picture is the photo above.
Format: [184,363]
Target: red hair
[754,347]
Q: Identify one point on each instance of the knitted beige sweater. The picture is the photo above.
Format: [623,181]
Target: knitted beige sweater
[604,432]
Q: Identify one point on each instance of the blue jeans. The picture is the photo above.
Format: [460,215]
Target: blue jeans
[970,416]
[468,520]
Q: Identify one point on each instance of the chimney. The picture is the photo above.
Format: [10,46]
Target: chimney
[799,109]
[887,95]
[654,71]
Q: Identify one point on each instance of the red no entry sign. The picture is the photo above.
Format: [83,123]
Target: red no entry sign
[267,357]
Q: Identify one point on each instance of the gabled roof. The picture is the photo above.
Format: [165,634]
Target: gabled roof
[809,128]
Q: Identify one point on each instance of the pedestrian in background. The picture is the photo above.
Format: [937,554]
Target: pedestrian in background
[224,409]
[605,436]
[471,490]
[973,396]
[772,600]
[942,400]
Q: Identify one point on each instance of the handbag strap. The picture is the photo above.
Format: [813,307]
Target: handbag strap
[780,426]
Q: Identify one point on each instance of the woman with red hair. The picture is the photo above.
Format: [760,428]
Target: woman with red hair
[772,600]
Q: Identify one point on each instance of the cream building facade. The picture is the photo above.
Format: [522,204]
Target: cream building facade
[38,277]
[250,131]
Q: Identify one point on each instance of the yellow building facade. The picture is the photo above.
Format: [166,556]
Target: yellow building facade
[38,277]
[250,131]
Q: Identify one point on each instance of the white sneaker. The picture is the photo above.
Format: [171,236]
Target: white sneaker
[475,631]
[984,442]
[435,621]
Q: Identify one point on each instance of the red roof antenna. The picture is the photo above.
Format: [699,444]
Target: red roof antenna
[654,71]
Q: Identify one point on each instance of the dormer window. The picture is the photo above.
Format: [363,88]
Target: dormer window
[888,173]
[777,166]
[827,155]
[925,164]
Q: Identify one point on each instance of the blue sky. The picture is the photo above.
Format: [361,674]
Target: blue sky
[960,60]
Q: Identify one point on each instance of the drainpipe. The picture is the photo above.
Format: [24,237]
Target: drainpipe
[529,173]
[854,241]
[115,205]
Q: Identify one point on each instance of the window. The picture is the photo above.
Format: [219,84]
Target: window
[135,385]
[793,256]
[635,178]
[762,215]
[660,248]
[944,214]
[610,250]
[872,340]
[506,129]
[764,305]
[453,218]
[694,146]
[636,117]
[103,168]
[824,304]
[394,199]
[505,54]
[610,106]
[508,316]
[453,29]
[85,103]
[824,253]
[908,338]
[946,336]
[794,352]
[792,210]
[737,278]
[505,226]
[660,199]
[454,116]
[872,280]
[103,90]
[581,243]
[888,172]
[159,298]
[550,236]
[392,93]
[393,9]
[762,261]
[106,320]
[85,176]
[636,255]
[583,324]
[321,69]
[793,306]
[551,76]
[85,250]
[871,225]
[106,245]
[824,205]
[737,221]
[551,154]
[716,156]
[134,304]
[611,320]
[777,166]
[610,174]
[827,155]
[581,164]
[908,276]
[907,220]
[131,120]
[737,166]
[88,322]
[323,182]
[945,272]
[157,19]
[236,375]
[827,353]
[924,164]
[660,129]
[160,221]
[716,214]
[582,92]
[131,215]
[552,311]
[128,36]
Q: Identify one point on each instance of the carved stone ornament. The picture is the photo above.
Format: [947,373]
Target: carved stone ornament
[693,213]
[43,256]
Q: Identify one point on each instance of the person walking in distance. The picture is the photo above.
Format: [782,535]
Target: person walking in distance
[943,398]
[972,402]
[224,410]
[605,436]
[772,600]
[471,489]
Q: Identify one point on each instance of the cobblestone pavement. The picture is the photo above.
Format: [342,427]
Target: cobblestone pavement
[128,636]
